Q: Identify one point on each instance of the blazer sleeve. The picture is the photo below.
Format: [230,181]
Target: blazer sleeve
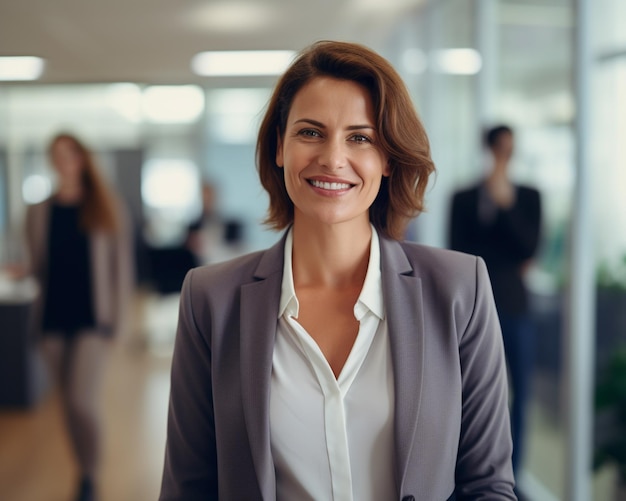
[31,239]
[190,470]
[484,469]
[124,269]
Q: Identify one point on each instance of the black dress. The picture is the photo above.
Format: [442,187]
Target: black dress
[68,302]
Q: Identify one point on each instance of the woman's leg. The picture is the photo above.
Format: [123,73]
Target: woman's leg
[53,348]
[85,371]
[519,350]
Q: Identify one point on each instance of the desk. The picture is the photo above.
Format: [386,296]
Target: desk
[23,377]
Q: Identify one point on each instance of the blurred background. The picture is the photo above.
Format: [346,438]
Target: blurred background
[174,134]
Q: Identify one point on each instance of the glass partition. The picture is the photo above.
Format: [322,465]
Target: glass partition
[608,153]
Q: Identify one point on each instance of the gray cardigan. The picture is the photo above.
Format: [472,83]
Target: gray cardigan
[451,425]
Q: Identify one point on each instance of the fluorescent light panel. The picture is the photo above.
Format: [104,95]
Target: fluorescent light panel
[173,103]
[230,16]
[21,68]
[241,63]
[457,61]
[461,61]
[169,183]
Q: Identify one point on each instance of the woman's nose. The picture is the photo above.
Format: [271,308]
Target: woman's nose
[333,154]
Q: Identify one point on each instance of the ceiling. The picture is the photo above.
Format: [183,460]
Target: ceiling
[153,41]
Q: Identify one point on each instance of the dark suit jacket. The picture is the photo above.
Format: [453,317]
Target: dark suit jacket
[451,423]
[506,240]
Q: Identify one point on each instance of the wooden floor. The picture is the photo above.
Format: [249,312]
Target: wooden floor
[35,459]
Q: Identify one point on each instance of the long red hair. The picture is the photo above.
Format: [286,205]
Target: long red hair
[97,208]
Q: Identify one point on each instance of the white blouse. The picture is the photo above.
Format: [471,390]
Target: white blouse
[332,438]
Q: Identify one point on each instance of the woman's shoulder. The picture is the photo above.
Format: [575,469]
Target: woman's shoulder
[41,205]
[38,211]
[437,258]
[227,274]
[449,277]
[528,193]
[445,269]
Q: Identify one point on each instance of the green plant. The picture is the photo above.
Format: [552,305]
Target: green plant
[611,412]
[612,275]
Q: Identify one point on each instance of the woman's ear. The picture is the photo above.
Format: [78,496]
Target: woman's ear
[279,150]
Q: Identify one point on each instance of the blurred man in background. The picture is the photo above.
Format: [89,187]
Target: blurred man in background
[500,221]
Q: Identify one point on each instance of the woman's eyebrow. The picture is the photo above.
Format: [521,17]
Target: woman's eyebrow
[322,126]
[358,127]
[310,121]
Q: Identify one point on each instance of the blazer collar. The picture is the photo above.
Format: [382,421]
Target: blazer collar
[258,315]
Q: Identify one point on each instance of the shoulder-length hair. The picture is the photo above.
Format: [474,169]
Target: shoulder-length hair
[402,135]
[97,210]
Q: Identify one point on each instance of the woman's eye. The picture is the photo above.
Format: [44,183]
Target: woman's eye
[360,138]
[309,133]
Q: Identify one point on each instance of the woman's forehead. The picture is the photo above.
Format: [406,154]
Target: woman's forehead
[332,96]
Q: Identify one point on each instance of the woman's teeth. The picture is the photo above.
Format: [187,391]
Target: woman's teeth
[329,186]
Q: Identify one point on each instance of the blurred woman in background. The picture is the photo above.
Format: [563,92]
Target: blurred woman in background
[81,256]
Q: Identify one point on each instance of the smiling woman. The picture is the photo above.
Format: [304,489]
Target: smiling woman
[399,133]
[326,366]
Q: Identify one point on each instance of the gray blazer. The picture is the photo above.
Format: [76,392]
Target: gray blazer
[452,436]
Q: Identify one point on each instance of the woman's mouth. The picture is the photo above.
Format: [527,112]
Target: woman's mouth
[328,185]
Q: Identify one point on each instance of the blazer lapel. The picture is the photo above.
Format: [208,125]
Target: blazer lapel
[258,316]
[402,292]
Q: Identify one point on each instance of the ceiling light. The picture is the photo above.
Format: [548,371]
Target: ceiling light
[225,17]
[378,7]
[125,99]
[173,103]
[36,188]
[456,61]
[169,183]
[21,68]
[241,63]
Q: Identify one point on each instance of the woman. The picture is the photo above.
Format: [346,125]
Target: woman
[340,363]
[81,256]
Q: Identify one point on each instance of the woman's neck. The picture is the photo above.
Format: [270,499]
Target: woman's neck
[331,255]
[69,193]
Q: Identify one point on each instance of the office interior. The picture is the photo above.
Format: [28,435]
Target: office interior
[160,137]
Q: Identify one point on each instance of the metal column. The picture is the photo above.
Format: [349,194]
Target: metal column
[579,338]
[486,40]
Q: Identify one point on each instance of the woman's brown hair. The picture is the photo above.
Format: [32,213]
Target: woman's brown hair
[402,135]
[97,209]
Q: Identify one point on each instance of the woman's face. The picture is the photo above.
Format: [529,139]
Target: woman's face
[67,159]
[333,164]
